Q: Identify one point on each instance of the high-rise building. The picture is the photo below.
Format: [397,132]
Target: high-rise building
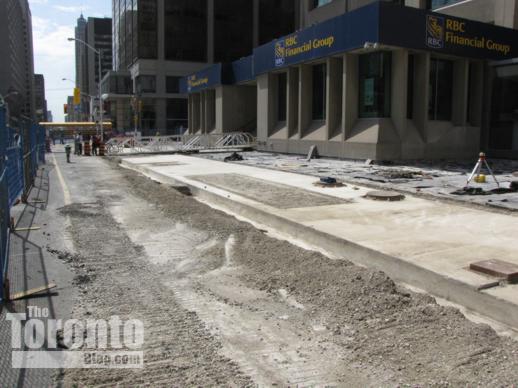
[381,80]
[160,41]
[16,57]
[81,55]
[40,102]
[96,32]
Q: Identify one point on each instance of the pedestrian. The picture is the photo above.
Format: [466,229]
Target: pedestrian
[80,150]
[95,145]
[68,151]
[62,137]
[53,137]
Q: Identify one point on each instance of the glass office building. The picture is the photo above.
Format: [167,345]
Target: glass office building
[160,41]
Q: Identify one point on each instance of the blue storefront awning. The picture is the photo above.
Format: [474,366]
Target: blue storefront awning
[384,23]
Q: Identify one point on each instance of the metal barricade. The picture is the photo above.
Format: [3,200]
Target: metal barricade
[4,203]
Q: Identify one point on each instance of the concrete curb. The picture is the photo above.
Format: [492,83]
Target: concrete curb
[398,269]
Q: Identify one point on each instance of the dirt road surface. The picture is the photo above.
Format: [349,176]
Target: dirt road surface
[227,304]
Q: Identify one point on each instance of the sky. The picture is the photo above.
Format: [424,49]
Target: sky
[53,21]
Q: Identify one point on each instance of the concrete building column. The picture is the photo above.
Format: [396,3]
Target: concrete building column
[263,107]
[305,98]
[506,13]
[399,90]
[292,117]
[203,123]
[210,110]
[350,85]
[195,113]
[460,92]
[421,92]
[190,114]
[334,98]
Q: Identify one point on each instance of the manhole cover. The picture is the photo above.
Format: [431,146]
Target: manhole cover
[385,196]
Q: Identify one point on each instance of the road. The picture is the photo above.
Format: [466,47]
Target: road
[225,303]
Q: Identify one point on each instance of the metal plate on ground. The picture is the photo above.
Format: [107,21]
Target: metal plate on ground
[385,196]
[497,268]
[270,193]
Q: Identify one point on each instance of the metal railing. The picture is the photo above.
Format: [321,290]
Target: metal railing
[180,143]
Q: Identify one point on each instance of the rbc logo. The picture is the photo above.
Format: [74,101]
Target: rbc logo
[280,53]
[435,31]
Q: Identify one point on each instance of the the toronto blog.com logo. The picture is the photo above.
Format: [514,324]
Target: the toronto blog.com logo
[40,342]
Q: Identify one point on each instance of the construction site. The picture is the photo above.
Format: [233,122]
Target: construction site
[248,269]
[259,193]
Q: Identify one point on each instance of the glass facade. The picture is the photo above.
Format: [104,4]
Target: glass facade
[320,3]
[146,84]
[186,30]
[440,90]
[375,84]
[319,92]
[276,19]
[172,84]
[233,29]
[433,4]
[134,31]
[177,109]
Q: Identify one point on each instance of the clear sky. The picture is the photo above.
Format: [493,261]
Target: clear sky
[53,21]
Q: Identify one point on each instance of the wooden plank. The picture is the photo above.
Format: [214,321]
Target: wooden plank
[32,291]
[27,229]
[497,268]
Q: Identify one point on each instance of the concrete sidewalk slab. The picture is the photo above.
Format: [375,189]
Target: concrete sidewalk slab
[428,244]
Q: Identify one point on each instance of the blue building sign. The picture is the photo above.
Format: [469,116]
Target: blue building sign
[384,23]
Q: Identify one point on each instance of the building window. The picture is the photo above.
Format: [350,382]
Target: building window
[375,84]
[185,33]
[281,96]
[319,92]
[320,3]
[233,29]
[441,90]
[172,84]
[276,18]
[434,4]
[176,116]
[146,84]
[148,24]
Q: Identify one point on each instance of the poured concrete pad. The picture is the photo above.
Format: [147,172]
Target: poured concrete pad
[267,192]
[427,244]
[497,268]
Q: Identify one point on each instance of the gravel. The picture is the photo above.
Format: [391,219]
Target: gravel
[352,324]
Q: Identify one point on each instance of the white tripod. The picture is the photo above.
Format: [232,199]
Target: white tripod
[478,168]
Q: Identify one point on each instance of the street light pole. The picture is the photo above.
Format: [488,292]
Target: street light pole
[98,52]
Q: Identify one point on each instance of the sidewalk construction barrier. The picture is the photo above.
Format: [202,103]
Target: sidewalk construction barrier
[22,151]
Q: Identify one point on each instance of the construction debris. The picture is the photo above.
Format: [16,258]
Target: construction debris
[235,157]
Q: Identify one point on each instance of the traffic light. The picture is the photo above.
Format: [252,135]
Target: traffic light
[77,96]
[65,108]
